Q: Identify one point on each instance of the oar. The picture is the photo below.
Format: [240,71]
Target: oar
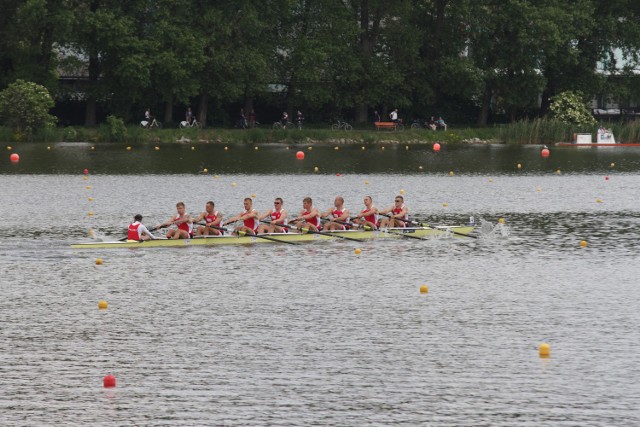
[367,228]
[306,230]
[424,225]
[244,233]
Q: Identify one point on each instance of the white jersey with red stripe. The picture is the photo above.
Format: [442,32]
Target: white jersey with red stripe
[396,211]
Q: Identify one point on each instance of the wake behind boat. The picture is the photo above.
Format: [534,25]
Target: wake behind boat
[423,232]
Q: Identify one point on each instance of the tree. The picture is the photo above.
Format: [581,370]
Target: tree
[570,108]
[25,106]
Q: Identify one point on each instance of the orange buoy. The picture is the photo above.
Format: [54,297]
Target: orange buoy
[436,147]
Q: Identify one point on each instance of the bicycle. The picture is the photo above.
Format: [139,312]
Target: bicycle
[341,125]
[185,124]
[278,125]
[154,124]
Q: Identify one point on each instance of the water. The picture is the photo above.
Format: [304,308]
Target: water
[313,334]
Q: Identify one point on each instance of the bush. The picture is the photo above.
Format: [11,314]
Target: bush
[569,107]
[25,106]
[116,129]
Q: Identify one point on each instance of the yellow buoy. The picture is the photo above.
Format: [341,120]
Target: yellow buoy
[315,169]
[85,178]
[583,243]
[336,148]
[253,196]
[193,148]
[216,176]
[358,251]
[613,165]
[424,289]
[88,187]
[558,172]
[48,147]
[501,221]
[156,148]
[420,168]
[9,147]
[401,191]
[128,148]
[544,350]
[538,189]
[382,147]
[598,200]
[226,148]
[233,184]
[406,147]
[363,147]
[89,213]
[93,147]
[102,304]
[366,182]
[309,148]
[451,173]
[90,199]
[445,204]
[99,261]
[205,170]
[256,148]
[490,180]
[91,233]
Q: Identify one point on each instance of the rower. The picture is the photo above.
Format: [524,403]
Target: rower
[278,218]
[309,216]
[368,217]
[137,231]
[249,217]
[398,214]
[182,220]
[338,216]
[212,218]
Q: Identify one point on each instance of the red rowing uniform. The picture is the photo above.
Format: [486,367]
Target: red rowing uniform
[185,226]
[133,234]
[275,215]
[372,218]
[251,223]
[337,214]
[313,221]
[396,211]
[211,217]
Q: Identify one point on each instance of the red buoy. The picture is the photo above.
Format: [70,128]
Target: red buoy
[300,155]
[86,171]
[15,158]
[436,147]
[109,381]
[545,152]
[338,174]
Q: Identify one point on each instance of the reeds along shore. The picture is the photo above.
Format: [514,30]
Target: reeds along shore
[536,131]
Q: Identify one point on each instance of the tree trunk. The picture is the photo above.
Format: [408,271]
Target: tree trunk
[168,111]
[486,103]
[91,108]
[203,103]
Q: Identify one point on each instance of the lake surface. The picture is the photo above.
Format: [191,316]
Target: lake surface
[314,334]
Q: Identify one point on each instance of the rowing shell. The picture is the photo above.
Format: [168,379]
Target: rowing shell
[392,233]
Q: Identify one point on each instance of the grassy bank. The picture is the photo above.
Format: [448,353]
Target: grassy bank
[538,131]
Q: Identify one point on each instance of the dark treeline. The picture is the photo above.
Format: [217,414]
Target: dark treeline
[476,61]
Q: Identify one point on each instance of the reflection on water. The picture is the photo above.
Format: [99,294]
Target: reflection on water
[313,334]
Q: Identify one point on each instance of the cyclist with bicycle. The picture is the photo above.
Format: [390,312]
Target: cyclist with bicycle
[188,116]
[284,120]
[148,117]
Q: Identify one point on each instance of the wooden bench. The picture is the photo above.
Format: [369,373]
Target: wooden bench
[386,125]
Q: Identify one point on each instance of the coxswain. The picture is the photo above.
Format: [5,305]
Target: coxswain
[137,231]
[309,217]
[278,217]
[338,216]
[396,215]
[182,220]
[212,219]
[249,218]
[368,217]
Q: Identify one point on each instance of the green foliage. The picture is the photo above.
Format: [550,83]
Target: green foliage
[116,130]
[569,107]
[25,106]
